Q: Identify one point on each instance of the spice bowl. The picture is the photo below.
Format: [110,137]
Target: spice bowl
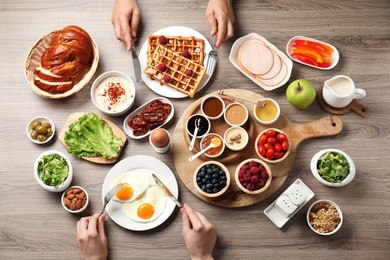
[211,179]
[268,114]
[75,199]
[236,114]
[212,107]
[324,217]
[113,93]
[236,138]
[212,152]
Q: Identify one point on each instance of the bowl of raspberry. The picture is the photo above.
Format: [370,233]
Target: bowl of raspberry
[253,176]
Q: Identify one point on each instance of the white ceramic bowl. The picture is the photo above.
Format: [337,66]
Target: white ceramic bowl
[81,209]
[42,119]
[222,143]
[348,179]
[222,191]
[206,99]
[244,139]
[277,112]
[338,210]
[191,123]
[62,186]
[123,107]
[246,116]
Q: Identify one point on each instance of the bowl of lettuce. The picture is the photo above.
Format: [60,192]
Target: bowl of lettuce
[333,167]
[53,171]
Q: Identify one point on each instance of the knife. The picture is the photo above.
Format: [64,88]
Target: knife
[136,64]
[167,191]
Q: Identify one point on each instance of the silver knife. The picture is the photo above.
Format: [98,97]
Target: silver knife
[136,64]
[167,191]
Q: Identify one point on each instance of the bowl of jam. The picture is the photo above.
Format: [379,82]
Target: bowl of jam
[212,107]
[201,121]
[215,151]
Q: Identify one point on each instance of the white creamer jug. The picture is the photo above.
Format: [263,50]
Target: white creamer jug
[340,90]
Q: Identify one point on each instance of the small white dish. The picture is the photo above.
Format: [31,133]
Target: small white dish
[236,138]
[255,108]
[79,210]
[100,99]
[340,213]
[43,119]
[208,101]
[335,55]
[204,140]
[230,114]
[282,56]
[204,128]
[277,214]
[348,179]
[67,181]
[129,130]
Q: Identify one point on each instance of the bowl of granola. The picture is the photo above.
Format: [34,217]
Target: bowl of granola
[324,217]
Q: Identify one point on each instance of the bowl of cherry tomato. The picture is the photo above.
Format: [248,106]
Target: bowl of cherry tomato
[312,52]
[272,145]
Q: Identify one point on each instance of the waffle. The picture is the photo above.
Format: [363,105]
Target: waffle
[194,46]
[176,68]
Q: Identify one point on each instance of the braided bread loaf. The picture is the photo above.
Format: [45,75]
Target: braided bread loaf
[65,61]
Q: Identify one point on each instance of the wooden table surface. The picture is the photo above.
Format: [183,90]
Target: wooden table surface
[33,224]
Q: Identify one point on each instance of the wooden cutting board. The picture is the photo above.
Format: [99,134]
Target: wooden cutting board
[115,130]
[234,197]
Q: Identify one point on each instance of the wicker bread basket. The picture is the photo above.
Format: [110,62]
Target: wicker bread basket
[34,57]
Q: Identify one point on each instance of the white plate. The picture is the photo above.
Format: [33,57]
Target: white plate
[236,46]
[129,130]
[114,209]
[154,85]
[335,54]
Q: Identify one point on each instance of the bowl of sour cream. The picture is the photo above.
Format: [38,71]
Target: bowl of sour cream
[113,93]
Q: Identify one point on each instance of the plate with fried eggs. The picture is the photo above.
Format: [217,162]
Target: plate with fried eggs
[141,204]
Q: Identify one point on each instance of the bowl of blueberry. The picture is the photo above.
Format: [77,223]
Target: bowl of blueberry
[253,176]
[211,179]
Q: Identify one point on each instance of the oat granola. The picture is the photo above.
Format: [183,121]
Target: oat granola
[324,217]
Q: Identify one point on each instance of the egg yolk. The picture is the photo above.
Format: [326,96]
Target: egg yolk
[125,192]
[145,211]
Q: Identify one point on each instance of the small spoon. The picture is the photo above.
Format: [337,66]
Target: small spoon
[215,142]
[197,125]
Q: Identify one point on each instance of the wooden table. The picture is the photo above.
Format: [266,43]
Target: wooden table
[33,224]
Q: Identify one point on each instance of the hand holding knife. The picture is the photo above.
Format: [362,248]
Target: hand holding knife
[136,64]
[167,191]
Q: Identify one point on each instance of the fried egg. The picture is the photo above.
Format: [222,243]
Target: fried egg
[148,207]
[136,183]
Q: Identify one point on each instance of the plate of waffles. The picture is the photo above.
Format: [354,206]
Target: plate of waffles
[173,62]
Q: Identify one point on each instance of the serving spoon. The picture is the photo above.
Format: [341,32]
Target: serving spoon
[197,125]
[215,142]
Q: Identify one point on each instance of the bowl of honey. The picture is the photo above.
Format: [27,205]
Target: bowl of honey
[212,138]
[267,113]
[212,107]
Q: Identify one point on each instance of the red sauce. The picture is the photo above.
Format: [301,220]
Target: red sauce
[212,107]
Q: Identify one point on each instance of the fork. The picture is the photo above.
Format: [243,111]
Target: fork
[110,195]
[212,61]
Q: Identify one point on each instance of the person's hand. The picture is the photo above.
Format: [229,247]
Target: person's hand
[199,234]
[221,19]
[91,237]
[126,16]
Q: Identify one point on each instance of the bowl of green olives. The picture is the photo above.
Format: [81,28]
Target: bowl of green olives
[40,130]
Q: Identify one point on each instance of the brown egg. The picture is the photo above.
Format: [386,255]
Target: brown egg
[159,137]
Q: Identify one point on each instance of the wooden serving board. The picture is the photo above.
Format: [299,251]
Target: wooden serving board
[234,197]
[115,130]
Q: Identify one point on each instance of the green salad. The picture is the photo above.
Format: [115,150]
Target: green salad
[53,169]
[90,136]
[333,167]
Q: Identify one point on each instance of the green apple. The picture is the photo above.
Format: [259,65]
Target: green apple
[300,93]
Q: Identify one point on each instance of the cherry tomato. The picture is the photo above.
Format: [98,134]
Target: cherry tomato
[278,155]
[285,145]
[270,154]
[263,139]
[270,133]
[281,137]
[268,146]
[261,150]
[272,140]
[277,147]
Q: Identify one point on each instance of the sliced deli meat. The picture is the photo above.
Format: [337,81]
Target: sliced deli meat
[272,82]
[255,58]
[276,68]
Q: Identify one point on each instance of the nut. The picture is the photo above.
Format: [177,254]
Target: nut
[75,199]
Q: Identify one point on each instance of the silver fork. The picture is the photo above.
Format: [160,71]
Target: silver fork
[212,61]
[110,195]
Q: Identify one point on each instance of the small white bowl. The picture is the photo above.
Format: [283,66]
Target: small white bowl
[338,211]
[207,99]
[222,143]
[43,119]
[229,107]
[79,210]
[348,179]
[244,138]
[67,181]
[102,104]
[190,124]
[267,100]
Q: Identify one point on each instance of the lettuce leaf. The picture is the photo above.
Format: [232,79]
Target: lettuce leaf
[333,167]
[53,169]
[90,136]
